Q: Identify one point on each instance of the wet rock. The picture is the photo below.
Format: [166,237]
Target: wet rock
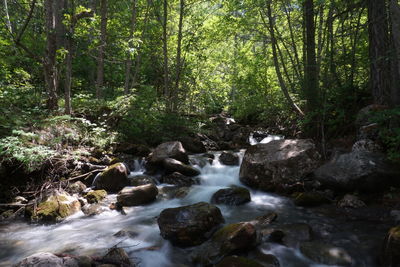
[170,192]
[193,144]
[233,196]
[139,195]
[95,196]
[325,254]
[118,257]
[229,158]
[166,150]
[172,165]
[43,259]
[311,199]
[113,179]
[364,171]
[351,201]
[390,255]
[235,261]
[232,238]
[267,260]
[264,220]
[179,179]
[293,233]
[92,210]
[76,188]
[366,145]
[189,225]
[141,180]
[269,166]
[56,208]
[126,233]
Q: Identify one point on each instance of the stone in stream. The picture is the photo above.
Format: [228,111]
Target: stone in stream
[358,170]
[166,150]
[95,196]
[193,144]
[235,261]
[233,196]
[189,225]
[43,259]
[229,158]
[113,179]
[173,165]
[93,209]
[323,253]
[280,162]
[179,179]
[289,235]
[141,180]
[138,195]
[232,238]
[117,257]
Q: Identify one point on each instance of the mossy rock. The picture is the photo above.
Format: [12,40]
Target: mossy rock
[96,196]
[113,179]
[56,208]
[235,261]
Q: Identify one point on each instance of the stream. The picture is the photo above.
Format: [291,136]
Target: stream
[81,235]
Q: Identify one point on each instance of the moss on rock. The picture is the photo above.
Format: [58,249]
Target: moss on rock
[96,196]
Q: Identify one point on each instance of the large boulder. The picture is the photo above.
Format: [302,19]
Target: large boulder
[44,259]
[229,158]
[113,179]
[166,150]
[232,238]
[365,171]
[173,165]
[193,144]
[139,195]
[141,180]
[233,196]
[179,179]
[95,196]
[189,225]
[56,208]
[277,163]
[323,253]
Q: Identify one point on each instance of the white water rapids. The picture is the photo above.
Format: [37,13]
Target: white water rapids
[81,235]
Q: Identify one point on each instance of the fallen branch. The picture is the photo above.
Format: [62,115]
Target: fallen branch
[86,174]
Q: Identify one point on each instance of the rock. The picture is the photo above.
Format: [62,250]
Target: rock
[293,233]
[43,259]
[20,200]
[267,260]
[366,145]
[92,210]
[269,166]
[233,196]
[232,238]
[364,171]
[310,199]
[76,188]
[113,179]
[391,248]
[324,253]
[95,196]
[264,220]
[194,145]
[126,233]
[235,261]
[118,257]
[170,192]
[351,201]
[229,158]
[179,179]
[189,225]
[166,150]
[173,165]
[223,145]
[56,208]
[141,180]
[139,195]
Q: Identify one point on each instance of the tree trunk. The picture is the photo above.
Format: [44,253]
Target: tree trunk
[378,51]
[175,94]
[49,62]
[103,38]
[395,22]
[128,62]
[165,55]
[8,22]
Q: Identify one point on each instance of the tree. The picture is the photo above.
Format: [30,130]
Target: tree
[101,48]
[128,63]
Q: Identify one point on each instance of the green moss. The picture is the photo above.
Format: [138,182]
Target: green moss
[224,233]
[96,196]
[53,209]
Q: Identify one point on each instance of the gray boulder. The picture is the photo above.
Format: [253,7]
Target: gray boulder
[113,179]
[280,162]
[229,158]
[139,195]
[172,150]
[173,165]
[43,259]
[179,179]
[233,196]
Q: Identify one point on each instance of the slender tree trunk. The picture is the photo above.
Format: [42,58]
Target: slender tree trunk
[165,55]
[49,62]
[103,38]
[68,77]
[395,23]
[276,62]
[128,62]
[8,21]
[378,51]
[175,94]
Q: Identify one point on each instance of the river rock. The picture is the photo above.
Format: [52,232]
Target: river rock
[117,257]
[391,248]
[92,209]
[193,144]
[270,166]
[189,225]
[166,150]
[229,158]
[173,165]
[170,192]
[311,199]
[351,201]
[232,238]
[264,220]
[324,253]
[141,180]
[56,208]
[95,196]
[233,196]
[267,260]
[113,179]
[179,179]
[288,234]
[44,259]
[235,261]
[358,170]
[76,188]
[139,195]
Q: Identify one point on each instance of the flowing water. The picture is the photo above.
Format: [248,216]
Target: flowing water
[81,235]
